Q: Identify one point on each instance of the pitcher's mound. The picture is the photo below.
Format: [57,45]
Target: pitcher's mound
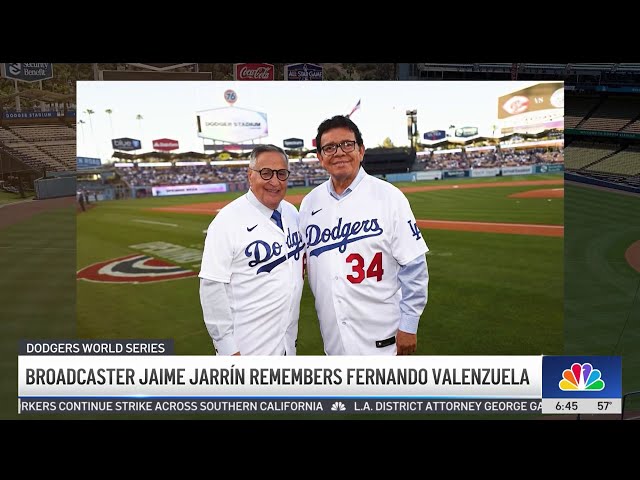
[632,255]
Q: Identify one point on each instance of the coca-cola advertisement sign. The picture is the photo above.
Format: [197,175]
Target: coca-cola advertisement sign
[253,71]
[165,144]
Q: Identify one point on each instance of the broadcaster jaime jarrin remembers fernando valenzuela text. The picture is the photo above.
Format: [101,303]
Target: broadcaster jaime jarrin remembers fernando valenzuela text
[277,376]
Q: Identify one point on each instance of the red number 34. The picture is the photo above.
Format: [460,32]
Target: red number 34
[374,270]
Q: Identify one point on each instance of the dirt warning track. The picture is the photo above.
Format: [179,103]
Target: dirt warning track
[211,208]
[540,193]
[492,227]
[464,186]
[22,210]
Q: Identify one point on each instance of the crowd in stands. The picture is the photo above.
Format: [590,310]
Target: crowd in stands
[142,176]
[205,174]
[506,157]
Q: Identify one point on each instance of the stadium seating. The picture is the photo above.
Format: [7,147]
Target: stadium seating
[626,162]
[43,146]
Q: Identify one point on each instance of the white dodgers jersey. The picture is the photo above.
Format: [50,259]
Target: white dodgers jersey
[263,267]
[355,247]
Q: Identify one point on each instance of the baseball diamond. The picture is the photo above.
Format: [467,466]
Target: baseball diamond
[489,255]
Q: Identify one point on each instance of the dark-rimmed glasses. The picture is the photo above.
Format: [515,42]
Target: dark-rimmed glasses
[267,173]
[346,146]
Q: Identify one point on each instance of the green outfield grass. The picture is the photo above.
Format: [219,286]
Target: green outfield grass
[489,293]
[602,302]
[487,205]
[152,202]
[37,285]
[508,178]
[7,197]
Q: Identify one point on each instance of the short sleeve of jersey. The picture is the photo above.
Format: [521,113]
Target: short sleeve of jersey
[303,204]
[407,242]
[303,214]
[291,210]
[218,251]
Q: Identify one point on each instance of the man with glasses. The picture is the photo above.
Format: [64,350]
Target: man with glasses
[365,253]
[252,267]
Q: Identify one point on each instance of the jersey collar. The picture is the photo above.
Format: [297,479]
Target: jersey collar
[361,174]
[263,209]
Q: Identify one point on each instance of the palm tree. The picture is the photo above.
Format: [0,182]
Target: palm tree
[81,123]
[108,111]
[90,112]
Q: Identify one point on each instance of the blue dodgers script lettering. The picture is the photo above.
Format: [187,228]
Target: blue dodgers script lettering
[341,234]
[294,242]
[262,252]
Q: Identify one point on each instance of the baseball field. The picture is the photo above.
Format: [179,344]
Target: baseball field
[37,284]
[495,264]
[490,292]
[602,277]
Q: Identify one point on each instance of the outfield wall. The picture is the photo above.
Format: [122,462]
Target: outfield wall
[168,190]
[55,187]
[574,177]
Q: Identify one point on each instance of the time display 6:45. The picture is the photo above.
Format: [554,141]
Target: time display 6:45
[567,406]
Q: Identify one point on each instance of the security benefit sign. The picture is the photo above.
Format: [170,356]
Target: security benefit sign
[582,385]
[117,383]
[27,72]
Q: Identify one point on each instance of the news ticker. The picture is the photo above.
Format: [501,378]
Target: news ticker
[143,376]
[275,405]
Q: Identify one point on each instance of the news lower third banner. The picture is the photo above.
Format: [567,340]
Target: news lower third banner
[143,376]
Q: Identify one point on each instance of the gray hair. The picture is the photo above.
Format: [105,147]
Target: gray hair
[266,148]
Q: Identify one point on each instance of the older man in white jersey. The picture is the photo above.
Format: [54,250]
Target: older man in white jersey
[252,268]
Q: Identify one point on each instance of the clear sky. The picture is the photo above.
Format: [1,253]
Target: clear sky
[294,109]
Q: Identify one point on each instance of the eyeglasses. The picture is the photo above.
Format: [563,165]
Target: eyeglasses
[267,173]
[346,146]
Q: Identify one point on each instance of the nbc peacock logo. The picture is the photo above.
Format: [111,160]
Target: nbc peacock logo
[581,377]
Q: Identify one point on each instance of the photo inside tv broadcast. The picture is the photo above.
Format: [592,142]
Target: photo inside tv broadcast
[480,164]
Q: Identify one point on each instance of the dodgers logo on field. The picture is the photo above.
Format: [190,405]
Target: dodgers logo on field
[134,268]
[342,235]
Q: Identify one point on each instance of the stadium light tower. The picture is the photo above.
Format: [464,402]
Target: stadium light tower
[412,124]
